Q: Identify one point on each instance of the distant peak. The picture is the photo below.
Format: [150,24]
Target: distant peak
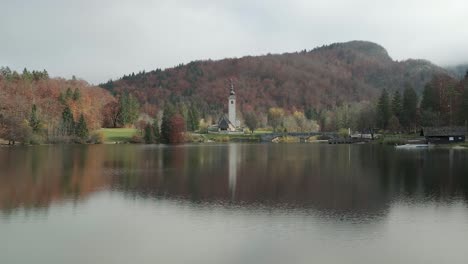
[365,47]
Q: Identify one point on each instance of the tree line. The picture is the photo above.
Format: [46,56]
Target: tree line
[35,108]
[444,102]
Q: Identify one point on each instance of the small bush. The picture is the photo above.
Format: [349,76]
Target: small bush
[136,139]
[36,139]
[96,137]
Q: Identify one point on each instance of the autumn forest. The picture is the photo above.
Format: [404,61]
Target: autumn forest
[353,85]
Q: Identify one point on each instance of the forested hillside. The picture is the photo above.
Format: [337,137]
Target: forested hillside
[315,80]
[34,107]
[458,71]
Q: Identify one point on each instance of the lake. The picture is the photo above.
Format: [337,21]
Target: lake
[233,203]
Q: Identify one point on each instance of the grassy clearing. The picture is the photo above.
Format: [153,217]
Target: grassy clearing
[398,139]
[232,137]
[118,134]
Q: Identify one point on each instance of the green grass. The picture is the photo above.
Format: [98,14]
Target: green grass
[118,134]
[232,137]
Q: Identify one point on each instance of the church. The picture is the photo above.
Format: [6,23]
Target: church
[229,123]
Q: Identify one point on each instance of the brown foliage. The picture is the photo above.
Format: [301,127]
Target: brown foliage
[17,95]
[322,78]
[177,125]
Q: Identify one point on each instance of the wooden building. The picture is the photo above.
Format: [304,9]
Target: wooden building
[444,135]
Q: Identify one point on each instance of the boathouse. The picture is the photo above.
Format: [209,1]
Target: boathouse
[444,135]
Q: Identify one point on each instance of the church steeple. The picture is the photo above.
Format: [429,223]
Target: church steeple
[232,89]
[232,105]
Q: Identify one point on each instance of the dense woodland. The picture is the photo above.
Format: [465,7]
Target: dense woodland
[36,108]
[319,79]
[346,85]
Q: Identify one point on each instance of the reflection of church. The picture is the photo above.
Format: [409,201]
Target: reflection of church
[229,123]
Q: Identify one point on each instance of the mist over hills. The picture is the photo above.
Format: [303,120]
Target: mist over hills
[459,71]
[321,78]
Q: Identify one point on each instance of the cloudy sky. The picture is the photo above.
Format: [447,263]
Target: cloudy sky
[101,39]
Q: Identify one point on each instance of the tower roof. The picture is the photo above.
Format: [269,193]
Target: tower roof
[232,89]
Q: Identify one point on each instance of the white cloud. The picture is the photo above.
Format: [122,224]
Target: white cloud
[98,40]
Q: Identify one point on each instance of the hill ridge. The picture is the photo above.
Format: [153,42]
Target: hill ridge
[322,78]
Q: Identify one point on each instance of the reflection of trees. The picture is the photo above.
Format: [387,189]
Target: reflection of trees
[292,175]
[355,179]
[342,178]
[435,174]
[33,177]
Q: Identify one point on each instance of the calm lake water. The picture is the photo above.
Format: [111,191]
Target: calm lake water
[233,203]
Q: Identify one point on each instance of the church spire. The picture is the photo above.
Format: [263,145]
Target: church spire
[232,105]
[232,88]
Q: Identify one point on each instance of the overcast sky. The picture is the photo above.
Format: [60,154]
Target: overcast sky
[101,39]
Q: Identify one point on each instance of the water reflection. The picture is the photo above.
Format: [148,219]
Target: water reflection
[233,153]
[342,180]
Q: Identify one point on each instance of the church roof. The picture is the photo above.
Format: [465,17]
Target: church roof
[224,122]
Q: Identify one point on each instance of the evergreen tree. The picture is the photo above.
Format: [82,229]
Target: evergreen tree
[429,100]
[168,113]
[148,134]
[383,110]
[34,121]
[81,130]
[76,94]
[68,122]
[397,105]
[410,108]
[311,114]
[463,112]
[27,75]
[45,74]
[129,109]
[62,98]
[193,120]
[68,94]
[156,133]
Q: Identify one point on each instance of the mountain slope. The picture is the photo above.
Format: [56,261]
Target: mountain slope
[321,78]
[458,71]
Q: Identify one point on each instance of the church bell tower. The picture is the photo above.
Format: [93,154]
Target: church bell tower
[232,106]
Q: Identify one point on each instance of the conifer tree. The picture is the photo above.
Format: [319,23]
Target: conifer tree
[129,109]
[68,94]
[81,130]
[62,98]
[68,122]
[168,113]
[193,119]
[34,121]
[156,133]
[463,112]
[76,94]
[397,105]
[410,108]
[429,100]
[148,134]
[383,110]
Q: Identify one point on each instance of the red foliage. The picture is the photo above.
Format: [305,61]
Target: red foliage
[19,94]
[177,124]
[321,78]
[110,114]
